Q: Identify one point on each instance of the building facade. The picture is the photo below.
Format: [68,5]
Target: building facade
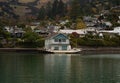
[58,42]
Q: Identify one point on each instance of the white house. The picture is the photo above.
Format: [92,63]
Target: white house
[109,24]
[58,42]
[81,32]
[15,31]
[115,31]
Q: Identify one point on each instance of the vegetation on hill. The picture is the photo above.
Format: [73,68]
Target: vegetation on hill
[22,12]
[95,41]
[55,8]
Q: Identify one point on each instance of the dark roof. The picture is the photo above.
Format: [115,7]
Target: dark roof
[54,34]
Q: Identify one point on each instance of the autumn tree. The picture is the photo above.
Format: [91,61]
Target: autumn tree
[80,24]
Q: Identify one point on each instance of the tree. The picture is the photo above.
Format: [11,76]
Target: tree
[80,24]
[42,13]
[58,8]
[55,8]
[75,9]
[61,8]
[32,39]
[1,30]
[113,18]
[4,34]
[49,9]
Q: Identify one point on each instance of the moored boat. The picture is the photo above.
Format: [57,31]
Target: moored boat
[74,50]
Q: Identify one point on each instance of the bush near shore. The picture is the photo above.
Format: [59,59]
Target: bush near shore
[96,41]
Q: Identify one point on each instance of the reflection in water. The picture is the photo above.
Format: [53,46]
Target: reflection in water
[21,68]
[96,69]
[59,68]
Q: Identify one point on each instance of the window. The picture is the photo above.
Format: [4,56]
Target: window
[64,47]
[56,48]
[60,40]
[63,40]
[56,40]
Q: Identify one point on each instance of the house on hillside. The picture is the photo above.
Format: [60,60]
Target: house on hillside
[80,32]
[15,31]
[42,33]
[89,21]
[112,33]
[58,42]
[53,28]
[33,25]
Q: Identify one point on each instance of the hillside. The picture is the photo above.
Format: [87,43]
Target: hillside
[21,8]
[30,8]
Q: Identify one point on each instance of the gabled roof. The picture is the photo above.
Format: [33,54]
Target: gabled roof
[53,35]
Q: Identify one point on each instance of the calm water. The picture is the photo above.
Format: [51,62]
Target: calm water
[59,68]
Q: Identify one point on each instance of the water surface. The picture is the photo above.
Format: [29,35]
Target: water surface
[59,68]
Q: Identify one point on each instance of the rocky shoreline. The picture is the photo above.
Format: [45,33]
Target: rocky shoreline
[84,50]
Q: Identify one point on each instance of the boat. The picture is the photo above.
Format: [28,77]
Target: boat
[74,50]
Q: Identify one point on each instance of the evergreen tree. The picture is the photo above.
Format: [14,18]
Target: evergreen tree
[58,8]
[61,8]
[49,9]
[42,13]
[75,9]
[55,8]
